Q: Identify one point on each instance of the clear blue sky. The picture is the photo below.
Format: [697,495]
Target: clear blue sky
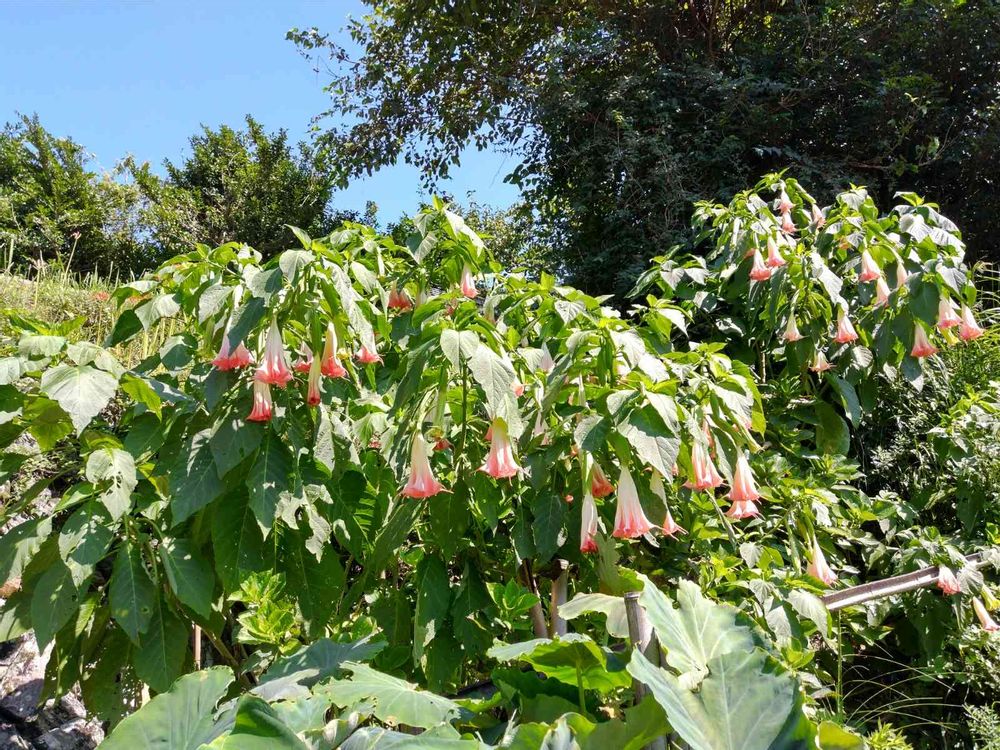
[141,77]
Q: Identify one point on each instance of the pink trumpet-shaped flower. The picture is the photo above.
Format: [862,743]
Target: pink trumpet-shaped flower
[774,258]
[741,509]
[518,388]
[869,268]
[845,329]
[792,330]
[422,482]
[670,527]
[787,225]
[818,568]
[305,359]
[759,271]
[399,300]
[946,317]
[947,582]
[467,284]
[704,474]
[901,275]
[985,621]
[274,368]
[881,292]
[331,366]
[546,363]
[922,346]
[229,360]
[500,463]
[367,356]
[599,484]
[588,525]
[442,444]
[314,390]
[630,520]
[261,411]
[744,487]
[818,218]
[820,363]
[969,329]
[784,203]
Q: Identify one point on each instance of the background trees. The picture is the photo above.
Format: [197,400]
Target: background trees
[624,112]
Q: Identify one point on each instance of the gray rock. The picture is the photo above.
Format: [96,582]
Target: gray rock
[22,674]
[78,734]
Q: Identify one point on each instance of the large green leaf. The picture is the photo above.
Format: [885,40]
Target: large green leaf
[132,593]
[611,606]
[495,376]
[268,478]
[832,433]
[571,659]
[179,719]
[189,574]
[695,631]
[237,542]
[258,727]
[233,441]
[741,705]
[162,651]
[316,584]
[433,601]
[113,469]
[396,701]
[290,676]
[19,544]
[81,390]
[194,481]
[548,529]
[56,597]
[652,440]
[87,534]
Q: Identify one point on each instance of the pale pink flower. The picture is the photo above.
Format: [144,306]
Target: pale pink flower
[901,275]
[947,581]
[630,520]
[274,368]
[422,482]
[599,484]
[230,360]
[518,388]
[869,268]
[546,363]
[845,329]
[741,509]
[818,218]
[304,364]
[315,390]
[881,292]
[367,356]
[744,487]
[946,314]
[759,271]
[792,330]
[774,258]
[704,474]
[820,363]
[985,621]
[468,284]
[922,346]
[969,330]
[331,366]
[399,300]
[500,463]
[262,406]
[588,525]
[818,568]
[784,203]
[787,225]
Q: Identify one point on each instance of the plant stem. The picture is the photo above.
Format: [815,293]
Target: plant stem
[725,522]
[579,689]
[840,668]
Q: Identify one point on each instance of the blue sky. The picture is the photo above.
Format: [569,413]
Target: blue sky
[141,77]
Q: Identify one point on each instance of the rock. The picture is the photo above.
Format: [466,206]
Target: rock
[78,734]
[22,674]
[11,740]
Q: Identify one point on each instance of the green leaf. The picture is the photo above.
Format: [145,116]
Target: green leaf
[268,478]
[237,542]
[11,368]
[652,440]
[611,606]
[549,511]
[159,660]
[459,346]
[161,306]
[35,346]
[189,574]
[257,727]
[495,376]
[47,422]
[81,391]
[832,433]
[132,593]
[396,701]
[233,441]
[566,658]
[114,468]
[127,326]
[87,534]
[19,545]
[433,601]
[194,480]
[590,434]
[848,397]
[291,261]
[57,596]
[316,584]
[179,719]
[834,737]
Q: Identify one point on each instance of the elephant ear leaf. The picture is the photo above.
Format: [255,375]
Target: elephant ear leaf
[396,701]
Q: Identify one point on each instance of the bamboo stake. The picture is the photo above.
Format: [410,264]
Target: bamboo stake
[640,633]
[557,625]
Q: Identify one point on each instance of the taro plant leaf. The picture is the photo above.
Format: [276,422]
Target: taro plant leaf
[20,544]
[189,575]
[194,481]
[116,468]
[81,390]
[396,701]
[289,675]
[159,660]
[257,727]
[741,705]
[179,719]
[695,631]
[132,593]
[268,478]
[573,658]
[379,738]
[612,606]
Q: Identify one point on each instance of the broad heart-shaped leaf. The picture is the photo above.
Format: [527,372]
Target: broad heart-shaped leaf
[258,727]
[20,544]
[268,478]
[695,632]
[396,701]
[189,574]
[652,439]
[179,719]
[290,676]
[571,731]
[495,375]
[132,593]
[87,534]
[612,606]
[459,346]
[741,705]
[116,468]
[81,390]
[380,738]
[162,651]
[57,595]
[194,481]
[571,658]
[233,440]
